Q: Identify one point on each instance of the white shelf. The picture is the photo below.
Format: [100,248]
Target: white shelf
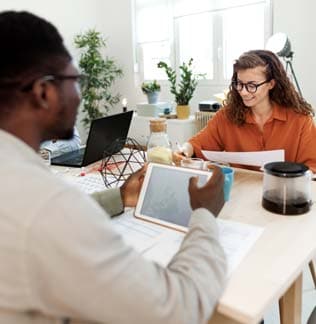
[179,130]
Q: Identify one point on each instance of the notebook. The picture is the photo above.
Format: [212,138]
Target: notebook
[104,133]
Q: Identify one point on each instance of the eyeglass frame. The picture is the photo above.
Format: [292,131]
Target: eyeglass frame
[256,85]
[53,77]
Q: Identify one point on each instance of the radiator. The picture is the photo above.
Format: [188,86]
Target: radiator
[201,119]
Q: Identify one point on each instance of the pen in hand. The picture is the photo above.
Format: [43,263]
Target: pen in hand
[180,149]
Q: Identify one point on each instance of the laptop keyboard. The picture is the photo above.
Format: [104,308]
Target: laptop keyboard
[73,158]
[89,183]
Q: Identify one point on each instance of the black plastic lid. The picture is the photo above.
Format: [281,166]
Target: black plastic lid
[286,169]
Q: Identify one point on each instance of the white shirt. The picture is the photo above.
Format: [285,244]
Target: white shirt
[61,258]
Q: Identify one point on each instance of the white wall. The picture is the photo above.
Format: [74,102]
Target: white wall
[297,20]
[69,17]
[114,20]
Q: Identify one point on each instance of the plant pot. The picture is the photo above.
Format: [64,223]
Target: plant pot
[183,111]
[152,97]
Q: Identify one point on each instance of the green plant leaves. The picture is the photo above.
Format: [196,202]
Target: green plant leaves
[149,87]
[100,74]
[183,91]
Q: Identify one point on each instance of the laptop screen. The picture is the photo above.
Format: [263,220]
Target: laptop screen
[106,134]
[103,133]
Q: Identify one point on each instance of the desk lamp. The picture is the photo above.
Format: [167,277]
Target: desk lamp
[280,44]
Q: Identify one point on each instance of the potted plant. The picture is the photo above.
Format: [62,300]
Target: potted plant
[100,74]
[183,91]
[151,89]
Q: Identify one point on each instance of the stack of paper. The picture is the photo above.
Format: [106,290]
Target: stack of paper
[259,158]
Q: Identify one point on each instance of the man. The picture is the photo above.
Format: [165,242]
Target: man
[61,261]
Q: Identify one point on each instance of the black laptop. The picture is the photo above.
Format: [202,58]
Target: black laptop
[103,133]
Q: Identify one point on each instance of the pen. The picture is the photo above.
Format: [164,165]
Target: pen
[181,149]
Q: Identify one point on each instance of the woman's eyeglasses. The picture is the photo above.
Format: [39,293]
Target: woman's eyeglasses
[250,86]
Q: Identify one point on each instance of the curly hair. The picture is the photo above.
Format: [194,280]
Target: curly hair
[30,48]
[283,93]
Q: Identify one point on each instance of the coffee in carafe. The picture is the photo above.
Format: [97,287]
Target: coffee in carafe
[286,188]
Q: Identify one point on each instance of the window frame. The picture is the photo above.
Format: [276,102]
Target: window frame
[218,37]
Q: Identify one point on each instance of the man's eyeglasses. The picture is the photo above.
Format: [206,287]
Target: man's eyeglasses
[250,86]
[56,77]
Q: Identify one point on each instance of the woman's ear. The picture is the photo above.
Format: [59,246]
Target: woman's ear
[272,84]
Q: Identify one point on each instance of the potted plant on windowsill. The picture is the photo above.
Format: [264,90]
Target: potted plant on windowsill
[183,91]
[151,89]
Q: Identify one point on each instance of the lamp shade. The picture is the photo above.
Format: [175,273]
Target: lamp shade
[280,44]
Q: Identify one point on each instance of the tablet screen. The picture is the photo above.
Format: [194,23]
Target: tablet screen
[164,197]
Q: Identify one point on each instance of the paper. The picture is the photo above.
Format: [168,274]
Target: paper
[139,234]
[248,158]
[160,244]
[237,239]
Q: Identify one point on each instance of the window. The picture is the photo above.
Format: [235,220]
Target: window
[195,39]
[213,32]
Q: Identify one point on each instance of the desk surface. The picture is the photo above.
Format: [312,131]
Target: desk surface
[276,260]
[274,263]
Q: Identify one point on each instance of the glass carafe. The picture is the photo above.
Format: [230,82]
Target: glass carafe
[158,146]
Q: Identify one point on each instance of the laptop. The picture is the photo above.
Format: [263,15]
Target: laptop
[104,133]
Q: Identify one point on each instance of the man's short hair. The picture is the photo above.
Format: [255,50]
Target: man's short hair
[30,47]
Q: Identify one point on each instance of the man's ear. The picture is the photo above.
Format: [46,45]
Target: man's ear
[42,93]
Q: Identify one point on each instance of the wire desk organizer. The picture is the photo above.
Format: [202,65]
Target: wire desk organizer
[117,166]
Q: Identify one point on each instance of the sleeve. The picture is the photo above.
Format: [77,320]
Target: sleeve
[209,137]
[79,267]
[110,200]
[307,147]
[63,146]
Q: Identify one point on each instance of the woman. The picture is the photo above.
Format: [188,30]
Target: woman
[263,111]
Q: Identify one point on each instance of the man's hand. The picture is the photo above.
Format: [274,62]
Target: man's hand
[211,195]
[131,188]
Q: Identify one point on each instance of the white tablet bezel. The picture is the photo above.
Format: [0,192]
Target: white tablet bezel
[140,201]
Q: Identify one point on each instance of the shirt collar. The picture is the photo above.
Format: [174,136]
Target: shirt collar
[278,113]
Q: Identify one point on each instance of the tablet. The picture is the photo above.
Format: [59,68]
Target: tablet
[164,197]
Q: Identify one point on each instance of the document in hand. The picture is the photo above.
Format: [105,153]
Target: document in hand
[259,158]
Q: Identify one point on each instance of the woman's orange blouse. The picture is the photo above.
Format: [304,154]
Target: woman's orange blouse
[285,129]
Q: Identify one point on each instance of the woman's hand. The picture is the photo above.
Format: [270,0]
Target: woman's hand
[182,152]
[177,157]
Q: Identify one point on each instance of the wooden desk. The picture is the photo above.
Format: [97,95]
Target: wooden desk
[273,268]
